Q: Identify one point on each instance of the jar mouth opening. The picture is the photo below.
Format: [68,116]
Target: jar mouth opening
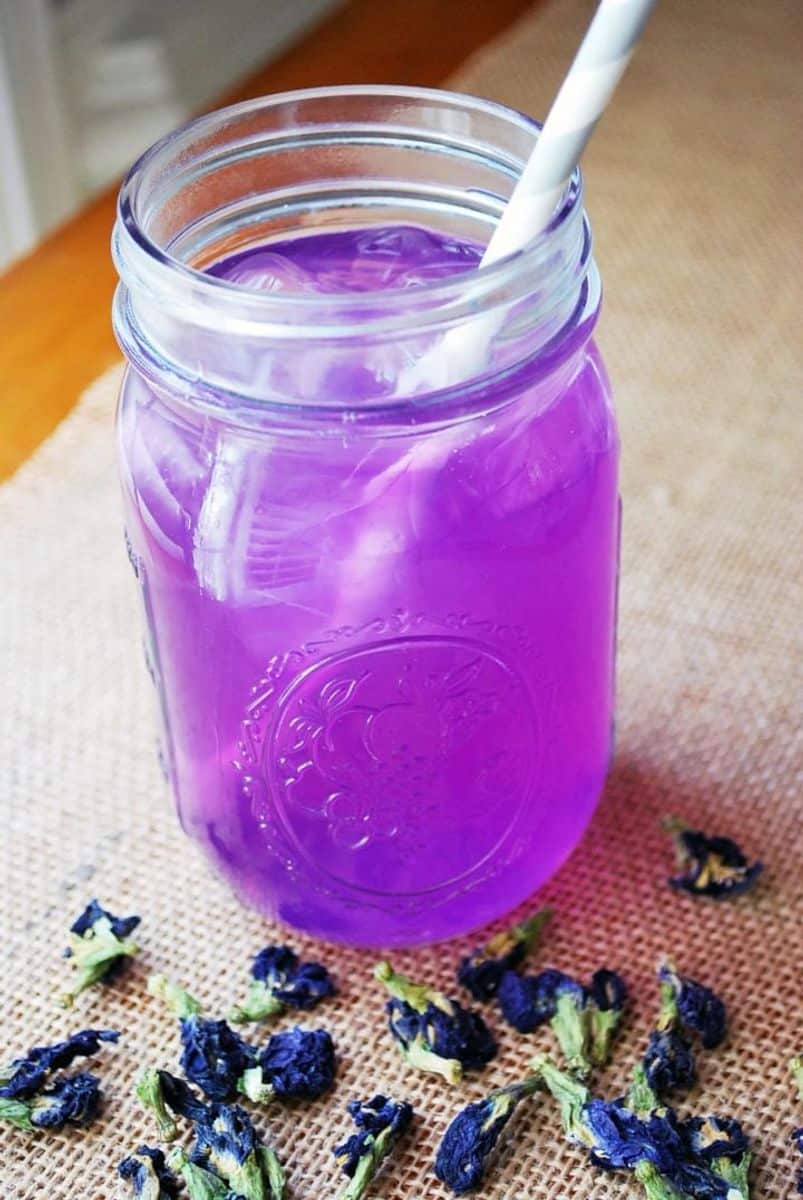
[145,259]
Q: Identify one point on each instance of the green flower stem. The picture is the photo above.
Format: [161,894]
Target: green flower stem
[200,1184]
[419,1055]
[796,1067]
[259,1004]
[18,1113]
[526,933]
[251,1084]
[571,1095]
[368,1165]
[92,955]
[417,995]
[273,1173]
[641,1099]
[656,1187]
[735,1174]
[602,1027]
[148,1089]
[181,1003]
[572,1029]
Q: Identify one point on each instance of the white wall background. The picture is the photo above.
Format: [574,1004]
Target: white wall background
[86,85]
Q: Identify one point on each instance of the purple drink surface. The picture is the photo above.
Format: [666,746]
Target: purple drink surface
[385,656]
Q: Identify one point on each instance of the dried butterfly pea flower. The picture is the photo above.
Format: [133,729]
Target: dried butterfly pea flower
[669,1061]
[99,944]
[279,981]
[25,1076]
[213,1056]
[607,994]
[148,1175]
[712,866]
[381,1122]
[527,1001]
[466,1148]
[227,1144]
[164,1094]
[584,1018]
[296,1064]
[481,972]
[692,1006]
[635,1133]
[69,1100]
[434,1033]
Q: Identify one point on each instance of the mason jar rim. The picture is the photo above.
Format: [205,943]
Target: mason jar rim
[142,261]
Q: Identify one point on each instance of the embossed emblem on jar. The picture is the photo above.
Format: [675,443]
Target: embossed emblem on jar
[379,754]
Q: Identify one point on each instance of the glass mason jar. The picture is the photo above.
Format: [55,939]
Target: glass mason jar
[380,605]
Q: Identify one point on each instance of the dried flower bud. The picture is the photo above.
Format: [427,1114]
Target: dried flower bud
[227,1144]
[527,1001]
[643,1138]
[481,972]
[25,1076]
[99,945]
[296,1064]
[280,981]
[434,1033]
[607,994]
[69,1100]
[381,1122]
[693,1006]
[164,1094]
[148,1174]
[213,1056]
[712,866]
[669,1061]
[464,1153]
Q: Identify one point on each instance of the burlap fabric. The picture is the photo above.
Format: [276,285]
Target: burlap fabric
[692,188]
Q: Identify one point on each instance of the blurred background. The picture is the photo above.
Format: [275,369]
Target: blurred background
[96,81]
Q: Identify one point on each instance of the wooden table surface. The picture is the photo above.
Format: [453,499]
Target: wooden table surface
[55,327]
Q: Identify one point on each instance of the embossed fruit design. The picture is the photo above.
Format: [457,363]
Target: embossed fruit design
[386,745]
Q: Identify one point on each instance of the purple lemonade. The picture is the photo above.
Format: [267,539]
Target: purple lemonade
[386,662]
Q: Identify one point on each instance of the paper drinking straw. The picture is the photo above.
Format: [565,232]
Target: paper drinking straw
[583,97]
[584,94]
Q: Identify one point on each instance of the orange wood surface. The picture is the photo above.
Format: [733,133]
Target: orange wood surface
[55,331]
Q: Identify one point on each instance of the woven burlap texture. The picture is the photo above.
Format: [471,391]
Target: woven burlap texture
[691,188]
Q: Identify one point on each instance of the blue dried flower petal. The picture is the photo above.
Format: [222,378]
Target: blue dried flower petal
[70,1100]
[380,1113]
[463,1155]
[280,981]
[481,971]
[714,866]
[607,990]
[712,1137]
[121,927]
[25,1075]
[214,1057]
[149,1175]
[381,1122]
[699,1009]
[669,1061]
[299,1063]
[527,1001]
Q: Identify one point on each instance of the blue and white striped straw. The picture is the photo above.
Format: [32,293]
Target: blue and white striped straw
[583,97]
